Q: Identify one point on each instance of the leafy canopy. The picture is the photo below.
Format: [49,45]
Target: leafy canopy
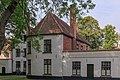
[23,16]
[90,30]
[110,37]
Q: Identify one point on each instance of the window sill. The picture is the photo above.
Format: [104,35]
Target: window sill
[77,75]
[47,74]
[109,76]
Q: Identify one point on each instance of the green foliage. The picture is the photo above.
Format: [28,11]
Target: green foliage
[110,37]
[89,28]
[16,26]
[83,6]
[99,38]
[35,40]
[3,5]
[26,12]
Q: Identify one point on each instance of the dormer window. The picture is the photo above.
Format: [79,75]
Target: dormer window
[47,46]
[81,47]
[87,48]
[77,45]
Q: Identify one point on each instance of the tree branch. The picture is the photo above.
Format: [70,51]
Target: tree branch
[4,19]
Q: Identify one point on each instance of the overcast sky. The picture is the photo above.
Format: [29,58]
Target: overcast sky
[107,12]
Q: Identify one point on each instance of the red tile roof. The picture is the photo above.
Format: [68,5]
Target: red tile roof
[79,37]
[51,24]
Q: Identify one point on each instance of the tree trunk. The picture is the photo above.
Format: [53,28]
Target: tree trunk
[4,19]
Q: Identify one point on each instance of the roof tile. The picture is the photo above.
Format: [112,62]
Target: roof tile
[52,24]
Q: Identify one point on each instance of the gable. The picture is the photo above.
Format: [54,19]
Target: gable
[52,24]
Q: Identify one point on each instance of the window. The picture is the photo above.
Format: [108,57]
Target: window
[17,52]
[17,66]
[87,48]
[29,47]
[29,66]
[24,66]
[77,45]
[47,45]
[47,66]
[24,52]
[81,47]
[76,67]
[106,68]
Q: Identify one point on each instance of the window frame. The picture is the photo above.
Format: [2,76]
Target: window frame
[17,52]
[87,47]
[24,52]
[81,47]
[47,67]
[29,66]
[76,65]
[77,45]
[18,66]
[47,46]
[29,47]
[24,66]
[105,65]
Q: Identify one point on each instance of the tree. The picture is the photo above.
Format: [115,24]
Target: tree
[18,15]
[4,17]
[110,37]
[89,28]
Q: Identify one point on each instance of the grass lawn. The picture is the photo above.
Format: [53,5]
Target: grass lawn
[13,77]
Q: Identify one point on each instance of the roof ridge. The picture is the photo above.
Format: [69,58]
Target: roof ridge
[56,22]
[64,27]
[60,21]
[43,21]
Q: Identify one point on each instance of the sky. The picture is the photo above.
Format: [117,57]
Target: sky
[107,12]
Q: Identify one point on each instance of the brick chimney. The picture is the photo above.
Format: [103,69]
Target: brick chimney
[73,24]
[73,19]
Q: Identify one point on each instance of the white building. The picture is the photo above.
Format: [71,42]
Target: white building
[64,53]
[6,60]
[19,59]
[13,62]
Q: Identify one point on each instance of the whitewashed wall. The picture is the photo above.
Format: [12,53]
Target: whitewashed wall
[21,46]
[7,64]
[94,57]
[37,58]
[62,61]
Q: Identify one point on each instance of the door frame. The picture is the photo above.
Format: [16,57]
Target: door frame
[3,70]
[90,69]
